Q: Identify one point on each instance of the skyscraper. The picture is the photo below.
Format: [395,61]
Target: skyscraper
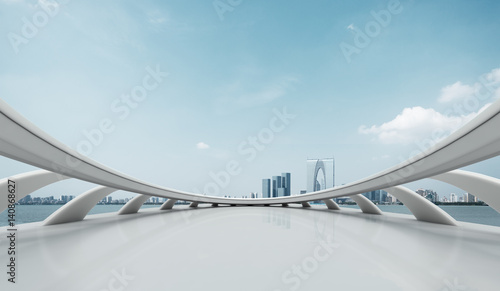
[320,174]
[287,183]
[379,196]
[276,185]
[471,198]
[266,188]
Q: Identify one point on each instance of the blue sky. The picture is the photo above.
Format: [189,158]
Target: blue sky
[231,65]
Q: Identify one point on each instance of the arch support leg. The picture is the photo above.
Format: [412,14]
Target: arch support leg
[331,204]
[365,204]
[77,209]
[30,181]
[134,205]
[168,204]
[484,187]
[423,209]
[194,204]
[305,204]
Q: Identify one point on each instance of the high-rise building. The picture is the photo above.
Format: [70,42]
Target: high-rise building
[379,196]
[266,188]
[25,199]
[453,197]
[320,174]
[276,185]
[432,196]
[471,198]
[287,183]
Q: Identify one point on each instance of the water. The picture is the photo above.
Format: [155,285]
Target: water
[34,213]
[474,214]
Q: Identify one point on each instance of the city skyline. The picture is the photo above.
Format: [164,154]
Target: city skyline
[263,101]
[277,186]
[377,196]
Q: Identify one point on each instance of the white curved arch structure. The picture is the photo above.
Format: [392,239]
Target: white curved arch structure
[168,204]
[484,187]
[77,209]
[21,140]
[29,182]
[331,204]
[422,209]
[134,204]
[365,204]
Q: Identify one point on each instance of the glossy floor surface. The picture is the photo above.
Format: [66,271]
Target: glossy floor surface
[254,248]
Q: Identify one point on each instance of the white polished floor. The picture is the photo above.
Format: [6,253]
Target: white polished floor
[254,248]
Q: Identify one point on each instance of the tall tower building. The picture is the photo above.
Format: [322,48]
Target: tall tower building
[471,198]
[266,188]
[320,174]
[276,185]
[287,183]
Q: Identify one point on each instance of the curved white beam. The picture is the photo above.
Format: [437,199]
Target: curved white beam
[168,204]
[77,209]
[478,140]
[484,187]
[365,204]
[422,209]
[27,183]
[331,204]
[134,204]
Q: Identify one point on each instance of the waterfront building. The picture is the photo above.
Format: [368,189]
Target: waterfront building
[320,174]
[266,188]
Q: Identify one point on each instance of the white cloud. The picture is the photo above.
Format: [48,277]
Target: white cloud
[493,80]
[265,96]
[242,95]
[202,146]
[351,26]
[457,91]
[383,157]
[493,76]
[159,20]
[415,124]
